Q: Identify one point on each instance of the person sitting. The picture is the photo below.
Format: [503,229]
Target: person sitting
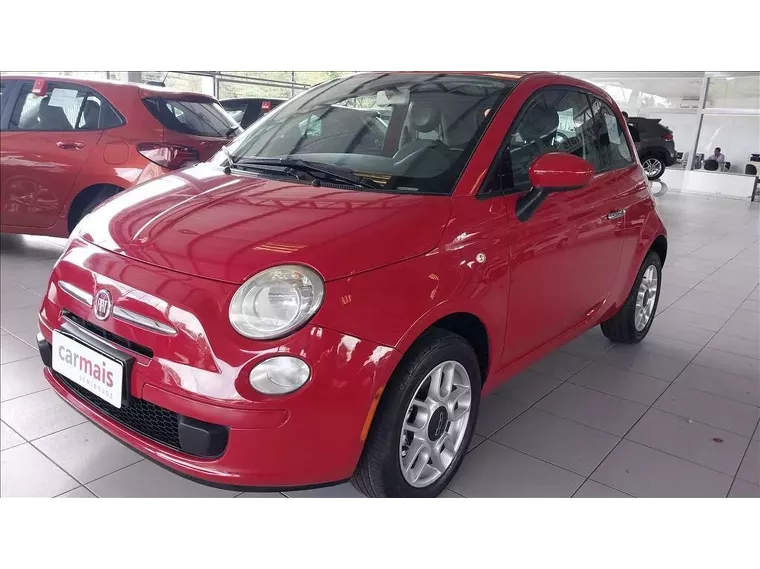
[718,157]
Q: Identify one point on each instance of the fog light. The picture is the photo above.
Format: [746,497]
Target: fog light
[280,374]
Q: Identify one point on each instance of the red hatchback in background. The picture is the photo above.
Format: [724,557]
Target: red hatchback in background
[329,296]
[67,144]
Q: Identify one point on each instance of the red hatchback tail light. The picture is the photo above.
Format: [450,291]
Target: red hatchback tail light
[171,156]
[668,136]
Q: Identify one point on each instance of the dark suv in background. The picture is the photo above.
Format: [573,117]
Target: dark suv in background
[248,111]
[654,145]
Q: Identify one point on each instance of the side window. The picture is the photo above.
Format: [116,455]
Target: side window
[554,120]
[57,110]
[613,146]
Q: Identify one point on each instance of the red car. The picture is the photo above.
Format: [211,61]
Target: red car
[68,144]
[329,297]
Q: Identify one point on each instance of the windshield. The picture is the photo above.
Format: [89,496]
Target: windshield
[410,132]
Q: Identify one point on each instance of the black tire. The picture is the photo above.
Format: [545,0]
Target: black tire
[378,473]
[660,165]
[621,328]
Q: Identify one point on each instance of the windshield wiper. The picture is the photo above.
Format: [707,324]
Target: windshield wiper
[328,174]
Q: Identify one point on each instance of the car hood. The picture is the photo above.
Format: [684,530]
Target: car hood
[227,227]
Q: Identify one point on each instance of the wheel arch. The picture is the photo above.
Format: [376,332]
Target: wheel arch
[85,196]
[465,324]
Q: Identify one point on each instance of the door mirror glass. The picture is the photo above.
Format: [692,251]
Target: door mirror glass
[560,171]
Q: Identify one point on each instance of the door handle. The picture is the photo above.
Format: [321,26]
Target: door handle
[618,213]
[70,145]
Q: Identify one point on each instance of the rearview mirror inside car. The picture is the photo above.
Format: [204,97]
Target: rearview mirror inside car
[553,172]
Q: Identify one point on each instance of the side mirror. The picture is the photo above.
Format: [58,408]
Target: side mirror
[553,172]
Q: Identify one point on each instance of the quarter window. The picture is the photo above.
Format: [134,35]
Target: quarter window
[555,120]
[613,146]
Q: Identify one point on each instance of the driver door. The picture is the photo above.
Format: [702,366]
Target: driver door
[565,256]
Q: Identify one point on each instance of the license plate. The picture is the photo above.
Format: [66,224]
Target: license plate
[99,374]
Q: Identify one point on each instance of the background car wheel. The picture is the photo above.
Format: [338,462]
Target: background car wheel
[424,422]
[653,166]
[632,322]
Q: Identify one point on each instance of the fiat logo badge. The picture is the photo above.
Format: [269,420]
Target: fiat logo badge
[103,305]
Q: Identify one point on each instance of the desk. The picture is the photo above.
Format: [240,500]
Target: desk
[726,184]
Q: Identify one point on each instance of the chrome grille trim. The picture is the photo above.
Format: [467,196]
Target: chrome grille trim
[76,293]
[142,321]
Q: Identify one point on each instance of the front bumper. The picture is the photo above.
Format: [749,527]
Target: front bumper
[313,436]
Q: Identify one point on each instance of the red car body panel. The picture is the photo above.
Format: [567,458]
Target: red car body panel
[41,173]
[177,248]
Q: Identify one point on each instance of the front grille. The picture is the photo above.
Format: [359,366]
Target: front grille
[143,417]
[106,335]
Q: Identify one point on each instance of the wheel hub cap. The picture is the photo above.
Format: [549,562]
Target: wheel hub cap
[435,424]
[646,298]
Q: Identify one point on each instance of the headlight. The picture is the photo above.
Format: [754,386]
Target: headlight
[276,301]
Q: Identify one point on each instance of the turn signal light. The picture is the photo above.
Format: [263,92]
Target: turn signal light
[172,156]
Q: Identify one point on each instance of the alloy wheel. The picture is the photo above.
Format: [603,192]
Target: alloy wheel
[646,298]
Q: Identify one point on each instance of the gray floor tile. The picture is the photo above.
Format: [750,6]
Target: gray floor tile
[588,407]
[451,497]
[730,363]
[670,293]
[560,365]
[39,414]
[665,346]
[591,489]
[742,489]
[751,306]
[744,330]
[345,490]
[13,297]
[26,472]
[22,378]
[645,472]
[86,452]
[8,437]
[561,442]
[704,299]
[693,319]
[261,495]
[528,387]
[495,412]
[12,349]
[80,492]
[22,323]
[706,309]
[625,384]
[736,387]
[745,316]
[147,480]
[648,363]
[475,441]
[588,346]
[727,414]
[736,345]
[697,442]
[756,436]
[493,470]
[750,468]
[679,331]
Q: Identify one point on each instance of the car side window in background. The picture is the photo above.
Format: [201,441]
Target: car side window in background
[555,120]
[613,146]
[57,110]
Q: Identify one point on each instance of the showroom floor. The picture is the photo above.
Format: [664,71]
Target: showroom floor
[676,415]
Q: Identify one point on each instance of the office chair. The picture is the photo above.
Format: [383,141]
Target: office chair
[750,169]
[711,165]
[727,166]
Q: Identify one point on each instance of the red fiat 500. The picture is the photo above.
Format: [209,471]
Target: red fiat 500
[330,296]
